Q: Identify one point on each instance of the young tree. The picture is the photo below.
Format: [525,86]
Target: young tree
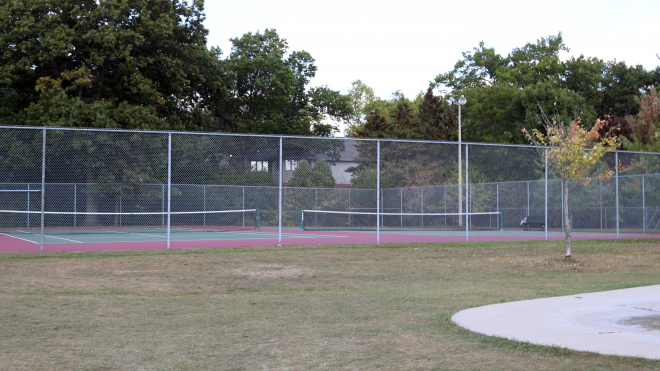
[573,152]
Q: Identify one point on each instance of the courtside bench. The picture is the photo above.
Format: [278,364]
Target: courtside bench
[533,222]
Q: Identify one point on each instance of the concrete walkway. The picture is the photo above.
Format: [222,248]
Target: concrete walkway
[621,322]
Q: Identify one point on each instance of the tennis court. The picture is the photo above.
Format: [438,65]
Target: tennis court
[102,240]
[97,189]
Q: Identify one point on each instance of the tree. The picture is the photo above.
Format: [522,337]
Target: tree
[110,64]
[140,64]
[645,126]
[621,84]
[436,120]
[503,91]
[573,152]
[524,66]
[362,98]
[269,90]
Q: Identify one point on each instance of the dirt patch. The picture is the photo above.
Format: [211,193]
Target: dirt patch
[275,271]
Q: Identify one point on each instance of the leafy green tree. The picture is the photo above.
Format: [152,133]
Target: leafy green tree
[567,105]
[503,91]
[110,64]
[524,66]
[269,90]
[362,98]
[584,76]
[319,176]
[140,64]
[622,84]
[489,115]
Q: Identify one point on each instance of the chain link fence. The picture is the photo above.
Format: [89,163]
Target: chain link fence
[58,185]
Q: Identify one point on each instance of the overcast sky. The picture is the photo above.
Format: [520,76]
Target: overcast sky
[402,45]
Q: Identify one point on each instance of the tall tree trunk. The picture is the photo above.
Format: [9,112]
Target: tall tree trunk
[567,220]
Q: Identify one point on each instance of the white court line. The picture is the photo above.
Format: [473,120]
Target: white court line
[18,238]
[134,234]
[60,238]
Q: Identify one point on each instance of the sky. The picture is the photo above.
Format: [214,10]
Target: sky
[401,45]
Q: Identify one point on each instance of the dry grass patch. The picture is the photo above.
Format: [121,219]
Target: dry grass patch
[307,307]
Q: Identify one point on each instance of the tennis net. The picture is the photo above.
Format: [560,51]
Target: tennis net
[322,220]
[63,223]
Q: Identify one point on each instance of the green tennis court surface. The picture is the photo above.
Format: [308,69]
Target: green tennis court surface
[145,237]
[141,236]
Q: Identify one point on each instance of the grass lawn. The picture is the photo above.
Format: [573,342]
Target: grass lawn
[356,307]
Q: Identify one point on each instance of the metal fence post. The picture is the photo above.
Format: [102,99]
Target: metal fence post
[467,196]
[600,201]
[562,207]
[445,200]
[378,192]
[163,206]
[546,194]
[527,197]
[617,194]
[43,186]
[75,204]
[497,196]
[279,233]
[28,206]
[643,206]
[169,187]
[422,198]
[349,207]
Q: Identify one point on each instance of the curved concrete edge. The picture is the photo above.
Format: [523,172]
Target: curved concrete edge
[622,322]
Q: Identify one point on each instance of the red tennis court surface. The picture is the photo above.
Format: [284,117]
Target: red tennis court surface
[269,237]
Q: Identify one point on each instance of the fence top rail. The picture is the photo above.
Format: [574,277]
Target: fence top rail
[292,137]
[319,188]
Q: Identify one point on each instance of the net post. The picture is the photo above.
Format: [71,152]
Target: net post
[617,193]
[243,203]
[546,194]
[163,204]
[302,220]
[169,187]
[421,195]
[28,206]
[43,186]
[467,196]
[279,196]
[75,204]
[378,192]
[258,221]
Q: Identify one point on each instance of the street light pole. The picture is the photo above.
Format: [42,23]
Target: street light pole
[460,171]
[461,101]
